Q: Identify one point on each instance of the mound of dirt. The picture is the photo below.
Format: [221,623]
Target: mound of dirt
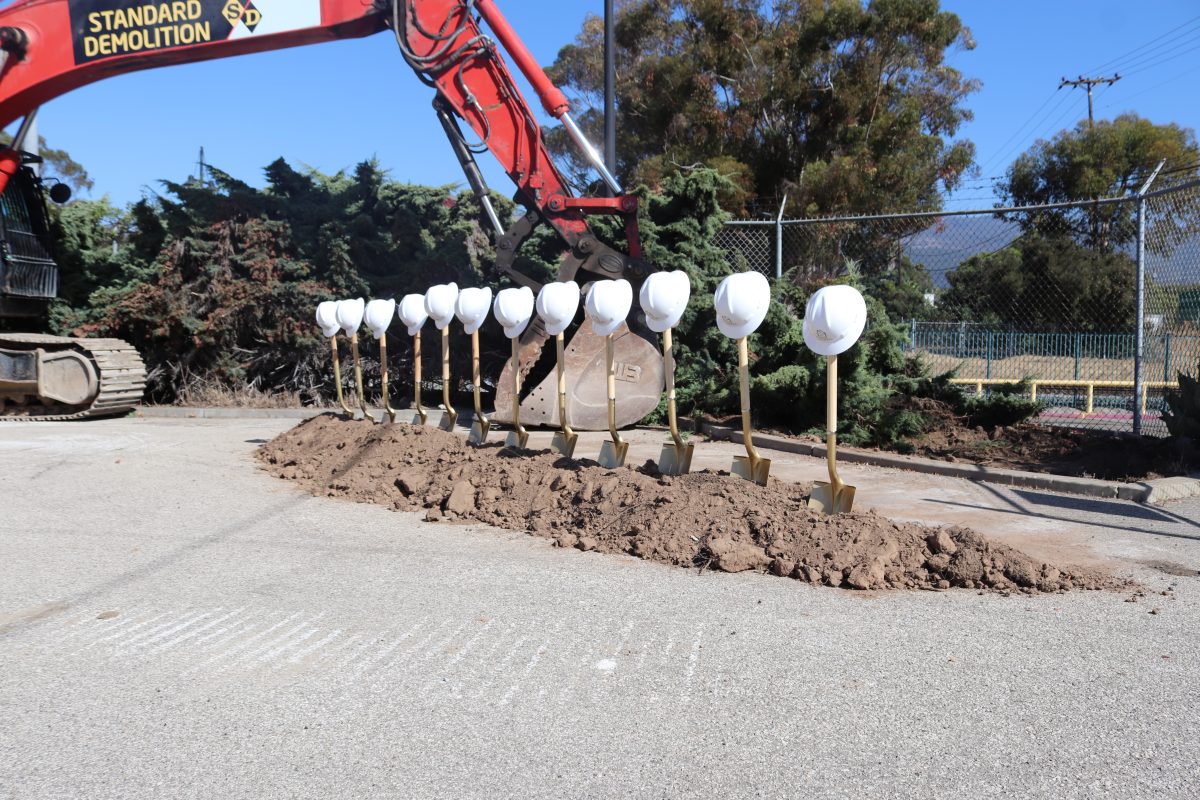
[704,519]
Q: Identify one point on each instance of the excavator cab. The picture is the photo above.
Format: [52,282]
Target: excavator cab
[42,376]
[28,271]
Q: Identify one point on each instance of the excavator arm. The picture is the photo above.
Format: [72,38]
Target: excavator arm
[49,47]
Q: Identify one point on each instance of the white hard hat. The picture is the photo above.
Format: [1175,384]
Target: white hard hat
[471,308]
[412,313]
[327,318]
[608,304]
[834,319]
[439,303]
[741,302]
[556,304]
[379,316]
[350,314]
[513,309]
[664,297]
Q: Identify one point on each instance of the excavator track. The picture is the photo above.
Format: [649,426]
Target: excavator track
[119,371]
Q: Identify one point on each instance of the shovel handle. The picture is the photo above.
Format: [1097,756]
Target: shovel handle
[337,376]
[744,387]
[383,370]
[831,381]
[516,387]
[611,364]
[562,389]
[417,375]
[479,415]
[446,374]
[669,373]
[362,399]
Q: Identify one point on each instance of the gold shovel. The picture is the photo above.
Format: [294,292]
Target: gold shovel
[751,466]
[383,366]
[565,440]
[420,417]
[675,459]
[337,377]
[518,437]
[451,416]
[481,425]
[834,497]
[613,452]
[362,400]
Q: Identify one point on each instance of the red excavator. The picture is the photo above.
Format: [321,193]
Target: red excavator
[49,47]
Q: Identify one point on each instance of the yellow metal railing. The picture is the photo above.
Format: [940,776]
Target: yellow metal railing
[1090,385]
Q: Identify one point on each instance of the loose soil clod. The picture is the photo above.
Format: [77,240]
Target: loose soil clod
[704,519]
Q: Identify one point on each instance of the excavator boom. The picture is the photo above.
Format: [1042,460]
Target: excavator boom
[49,47]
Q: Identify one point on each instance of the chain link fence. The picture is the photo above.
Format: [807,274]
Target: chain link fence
[1044,296]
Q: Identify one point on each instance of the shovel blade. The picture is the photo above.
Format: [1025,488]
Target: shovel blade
[448,419]
[675,460]
[758,472]
[639,376]
[612,455]
[479,431]
[564,445]
[828,501]
[418,419]
[516,440]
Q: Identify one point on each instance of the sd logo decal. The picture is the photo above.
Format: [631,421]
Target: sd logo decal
[236,10]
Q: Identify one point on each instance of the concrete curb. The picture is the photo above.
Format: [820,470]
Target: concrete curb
[192,412]
[1152,492]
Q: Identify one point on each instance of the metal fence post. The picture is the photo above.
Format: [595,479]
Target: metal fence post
[1167,358]
[1140,317]
[779,238]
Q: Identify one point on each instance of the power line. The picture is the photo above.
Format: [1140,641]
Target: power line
[1162,61]
[1119,62]
[1180,31]
[1002,153]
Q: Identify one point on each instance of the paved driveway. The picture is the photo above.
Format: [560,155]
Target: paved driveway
[175,623]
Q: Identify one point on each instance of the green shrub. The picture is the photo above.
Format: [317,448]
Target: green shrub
[1182,412]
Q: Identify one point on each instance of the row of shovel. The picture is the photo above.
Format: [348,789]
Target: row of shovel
[834,319]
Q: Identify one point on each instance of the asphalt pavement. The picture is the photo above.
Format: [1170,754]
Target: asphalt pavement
[176,623]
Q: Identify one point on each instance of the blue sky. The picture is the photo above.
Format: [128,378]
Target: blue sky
[331,105]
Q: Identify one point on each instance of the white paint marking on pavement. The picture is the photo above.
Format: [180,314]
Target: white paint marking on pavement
[533,662]
[404,655]
[251,655]
[82,625]
[95,631]
[297,657]
[184,625]
[693,662]
[370,641]
[645,652]
[449,666]
[126,632]
[242,645]
[197,631]
[537,656]
[295,641]
[384,652]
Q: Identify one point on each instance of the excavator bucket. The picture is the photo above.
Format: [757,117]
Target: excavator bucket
[639,376]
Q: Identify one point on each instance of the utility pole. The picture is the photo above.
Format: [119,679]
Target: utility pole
[610,88]
[1089,83]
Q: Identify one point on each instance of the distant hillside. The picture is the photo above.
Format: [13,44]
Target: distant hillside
[949,241]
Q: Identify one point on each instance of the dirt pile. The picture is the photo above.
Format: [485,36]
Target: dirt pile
[703,520]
